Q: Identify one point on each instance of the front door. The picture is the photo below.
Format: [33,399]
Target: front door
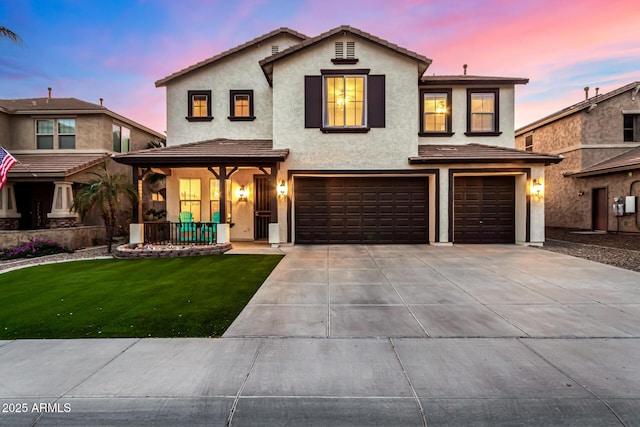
[599,207]
[262,206]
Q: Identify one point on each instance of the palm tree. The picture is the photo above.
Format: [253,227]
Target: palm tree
[105,193]
[6,33]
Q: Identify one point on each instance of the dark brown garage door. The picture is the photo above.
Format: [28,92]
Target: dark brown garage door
[484,209]
[361,210]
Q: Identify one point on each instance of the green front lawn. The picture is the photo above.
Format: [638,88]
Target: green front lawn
[175,297]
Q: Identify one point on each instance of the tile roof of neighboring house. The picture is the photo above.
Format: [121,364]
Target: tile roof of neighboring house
[47,104]
[53,165]
[635,86]
[467,80]
[227,53]
[267,63]
[478,153]
[51,106]
[623,162]
[207,153]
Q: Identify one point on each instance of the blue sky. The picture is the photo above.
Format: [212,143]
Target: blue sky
[116,50]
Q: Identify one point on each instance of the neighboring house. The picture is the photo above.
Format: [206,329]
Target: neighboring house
[599,139]
[341,138]
[57,141]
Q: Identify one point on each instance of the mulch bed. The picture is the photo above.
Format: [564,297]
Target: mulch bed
[618,249]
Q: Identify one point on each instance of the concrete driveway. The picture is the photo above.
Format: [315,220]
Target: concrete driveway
[366,335]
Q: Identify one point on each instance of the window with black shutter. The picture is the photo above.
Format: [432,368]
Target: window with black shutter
[337,102]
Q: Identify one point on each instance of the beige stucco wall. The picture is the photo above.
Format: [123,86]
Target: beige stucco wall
[238,72]
[584,139]
[93,133]
[72,238]
[380,148]
[5,130]
[459,119]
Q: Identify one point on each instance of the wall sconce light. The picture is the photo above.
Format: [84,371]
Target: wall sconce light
[282,189]
[242,193]
[537,188]
[580,193]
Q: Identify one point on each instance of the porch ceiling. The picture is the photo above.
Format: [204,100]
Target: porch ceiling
[478,153]
[207,153]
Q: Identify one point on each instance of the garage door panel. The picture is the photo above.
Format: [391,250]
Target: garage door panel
[484,209]
[361,210]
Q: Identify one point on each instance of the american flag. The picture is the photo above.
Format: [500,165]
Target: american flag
[6,162]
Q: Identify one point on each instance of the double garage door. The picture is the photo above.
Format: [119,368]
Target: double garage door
[361,210]
[395,209]
[484,209]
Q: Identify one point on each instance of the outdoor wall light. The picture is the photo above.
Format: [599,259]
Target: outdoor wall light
[242,193]
[282,189]
[537,188]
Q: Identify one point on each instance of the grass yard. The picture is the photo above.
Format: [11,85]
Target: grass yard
[174,297]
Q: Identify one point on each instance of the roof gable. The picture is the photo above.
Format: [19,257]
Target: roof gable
[232,51]
[267,63]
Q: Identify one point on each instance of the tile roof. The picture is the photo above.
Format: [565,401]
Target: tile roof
[267,63]
[577,107]
[225,54]
[478,153]
[207,153]
[47,104]
[623,162]
[53,165]
[468,80]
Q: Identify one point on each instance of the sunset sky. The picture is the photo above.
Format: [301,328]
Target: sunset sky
[117,49]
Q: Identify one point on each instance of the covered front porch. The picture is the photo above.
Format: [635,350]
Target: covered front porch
[217,191]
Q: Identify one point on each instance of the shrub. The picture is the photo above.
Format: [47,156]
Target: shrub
[32,249]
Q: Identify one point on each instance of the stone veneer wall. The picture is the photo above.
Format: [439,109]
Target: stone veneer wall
[73,238]
[135,252]
[63,222]
[9,223]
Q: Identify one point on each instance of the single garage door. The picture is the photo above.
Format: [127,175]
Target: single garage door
[484,209]
[361,210]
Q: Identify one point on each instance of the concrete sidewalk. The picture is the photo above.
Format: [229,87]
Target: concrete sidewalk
[361,335]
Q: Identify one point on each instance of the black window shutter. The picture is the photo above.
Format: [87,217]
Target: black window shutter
[376,101]
[312,101]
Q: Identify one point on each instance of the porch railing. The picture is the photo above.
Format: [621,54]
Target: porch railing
[180,233]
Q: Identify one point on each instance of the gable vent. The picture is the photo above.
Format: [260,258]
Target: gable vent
[339,50]
[274,49]
[351,50]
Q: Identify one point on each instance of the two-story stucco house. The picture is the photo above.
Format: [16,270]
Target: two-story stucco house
[57,142]
[599,139]
[342,138]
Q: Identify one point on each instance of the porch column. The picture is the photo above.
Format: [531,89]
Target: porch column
[9,216]
[223,194]
[137,207]
[274,193]
[61,215]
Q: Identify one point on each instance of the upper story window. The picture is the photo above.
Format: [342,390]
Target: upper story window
[482,112]
[199,106]
[340,101]
[67,133]
[241,105]
[344,101]
[51,130]
[121,139]
[44,134]
[528,143]
[630,127]
[435,113]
